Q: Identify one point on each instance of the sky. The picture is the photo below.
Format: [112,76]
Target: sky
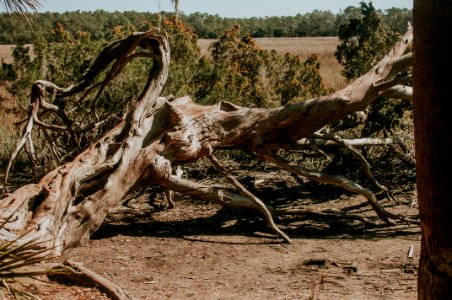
[224,8]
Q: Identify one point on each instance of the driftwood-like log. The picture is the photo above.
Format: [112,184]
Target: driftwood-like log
[76,273]
[68,204]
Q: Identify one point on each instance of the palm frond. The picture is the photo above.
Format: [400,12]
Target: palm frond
[21,6]
[18,259]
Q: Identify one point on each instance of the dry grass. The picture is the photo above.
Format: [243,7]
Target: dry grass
[330,69]
[6,51]
[8,132]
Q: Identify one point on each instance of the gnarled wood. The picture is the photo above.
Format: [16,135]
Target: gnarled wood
[70,203]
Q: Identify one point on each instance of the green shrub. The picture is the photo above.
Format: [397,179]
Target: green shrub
[364,42]
[243,74]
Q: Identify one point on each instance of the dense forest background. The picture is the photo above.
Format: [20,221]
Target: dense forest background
[100,24]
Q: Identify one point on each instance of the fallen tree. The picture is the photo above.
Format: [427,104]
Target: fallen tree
[70,203]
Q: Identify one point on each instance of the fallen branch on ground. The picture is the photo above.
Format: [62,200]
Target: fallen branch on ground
[70,203]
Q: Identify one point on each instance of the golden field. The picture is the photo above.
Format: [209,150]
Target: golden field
[330,69]
[6,50]
[8,132]
[5,53]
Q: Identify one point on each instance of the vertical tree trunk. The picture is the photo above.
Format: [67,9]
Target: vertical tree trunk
[433,136]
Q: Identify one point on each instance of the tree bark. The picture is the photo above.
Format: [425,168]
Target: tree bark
[67,205]
[433,140]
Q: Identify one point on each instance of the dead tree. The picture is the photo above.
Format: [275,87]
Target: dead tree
[68,204]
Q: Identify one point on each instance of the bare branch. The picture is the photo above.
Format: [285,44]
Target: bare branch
[76,272]
[321,177]
[399,64]
[402,92]
[20,144]
[358,154]
[259,204]
[327,213]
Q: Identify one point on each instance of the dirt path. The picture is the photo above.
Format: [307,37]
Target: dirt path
[202,251]
[249,268]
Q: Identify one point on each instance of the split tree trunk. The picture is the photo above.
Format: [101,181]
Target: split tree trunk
[433,127]
[70,203]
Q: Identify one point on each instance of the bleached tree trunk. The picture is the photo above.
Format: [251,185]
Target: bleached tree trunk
[67,205]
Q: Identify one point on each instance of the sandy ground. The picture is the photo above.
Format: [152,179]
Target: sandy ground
[200,250]
[204,251]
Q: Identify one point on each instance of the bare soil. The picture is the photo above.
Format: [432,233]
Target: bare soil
[204,251]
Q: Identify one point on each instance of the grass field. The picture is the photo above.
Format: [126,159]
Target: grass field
[8,135]
[8,132]
[5,53]
[330,69]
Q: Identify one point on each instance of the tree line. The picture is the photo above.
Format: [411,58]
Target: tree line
[99,24]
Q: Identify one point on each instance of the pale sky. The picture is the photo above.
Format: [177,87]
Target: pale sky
[224,8]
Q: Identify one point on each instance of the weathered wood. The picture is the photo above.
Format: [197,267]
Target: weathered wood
[74,272]
[244,191]
[68,204]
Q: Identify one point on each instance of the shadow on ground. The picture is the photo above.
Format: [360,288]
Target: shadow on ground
[191,218]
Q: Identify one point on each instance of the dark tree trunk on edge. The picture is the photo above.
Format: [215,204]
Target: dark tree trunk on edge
[433,136]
